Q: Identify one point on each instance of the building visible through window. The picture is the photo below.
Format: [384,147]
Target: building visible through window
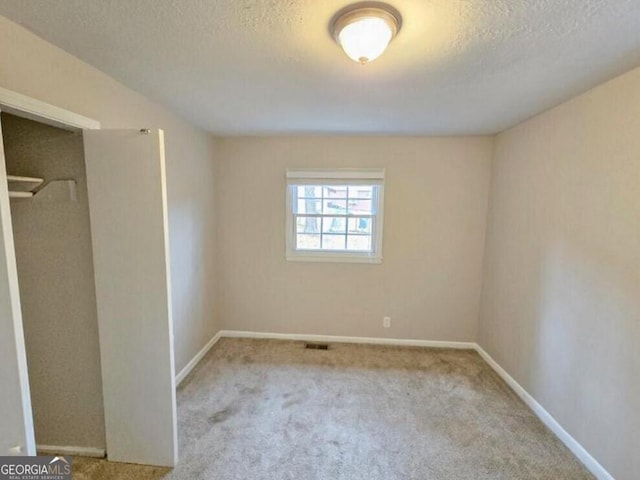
[334,215]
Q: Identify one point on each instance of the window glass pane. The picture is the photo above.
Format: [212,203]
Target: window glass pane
[309,206]
[360,207]
[360,225]
[308,225]
[360,243]
[309,191]
[333,242]
[361,191]
[336,191]
[335,206]
[334,225]
[334,218]
[307,242]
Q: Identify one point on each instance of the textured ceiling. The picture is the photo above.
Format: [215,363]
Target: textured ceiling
[270,66]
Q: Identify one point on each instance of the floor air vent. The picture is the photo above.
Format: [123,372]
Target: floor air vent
[316,346]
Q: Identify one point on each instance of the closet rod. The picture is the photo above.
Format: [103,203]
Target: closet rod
[20,194]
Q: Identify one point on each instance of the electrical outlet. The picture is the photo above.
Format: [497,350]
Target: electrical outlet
[386,322]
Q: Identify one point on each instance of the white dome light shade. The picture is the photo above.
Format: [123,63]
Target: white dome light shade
[365,33]
[366,39]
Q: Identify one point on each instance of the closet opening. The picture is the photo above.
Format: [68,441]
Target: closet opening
[85,292]
[49,206]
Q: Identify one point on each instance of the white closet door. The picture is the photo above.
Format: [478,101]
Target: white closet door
[16,421]
[128,208]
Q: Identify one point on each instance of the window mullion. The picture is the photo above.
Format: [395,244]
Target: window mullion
[322,219]
[346,220]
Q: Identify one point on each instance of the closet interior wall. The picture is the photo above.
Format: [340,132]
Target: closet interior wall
[52,236]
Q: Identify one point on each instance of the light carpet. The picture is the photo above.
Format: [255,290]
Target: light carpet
[273,410]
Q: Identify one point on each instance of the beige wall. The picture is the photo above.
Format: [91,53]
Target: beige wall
[561,297]
[560,309]
[57,292]
[33,67]
[435,209]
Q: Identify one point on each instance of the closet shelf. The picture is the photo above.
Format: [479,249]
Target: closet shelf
[23,187]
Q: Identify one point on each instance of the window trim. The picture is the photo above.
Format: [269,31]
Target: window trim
[344,176]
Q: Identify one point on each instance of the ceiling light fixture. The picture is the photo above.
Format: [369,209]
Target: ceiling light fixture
[364,30]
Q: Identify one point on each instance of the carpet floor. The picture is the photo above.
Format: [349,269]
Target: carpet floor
[273,410]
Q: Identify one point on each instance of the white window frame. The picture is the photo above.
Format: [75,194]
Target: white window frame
[345,176]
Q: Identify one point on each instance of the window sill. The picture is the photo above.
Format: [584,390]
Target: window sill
[333,258]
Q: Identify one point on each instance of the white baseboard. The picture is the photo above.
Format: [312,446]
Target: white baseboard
[194,361]
[546,418]
[79,451]
[339,339]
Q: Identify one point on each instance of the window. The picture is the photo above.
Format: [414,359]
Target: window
[335,215]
